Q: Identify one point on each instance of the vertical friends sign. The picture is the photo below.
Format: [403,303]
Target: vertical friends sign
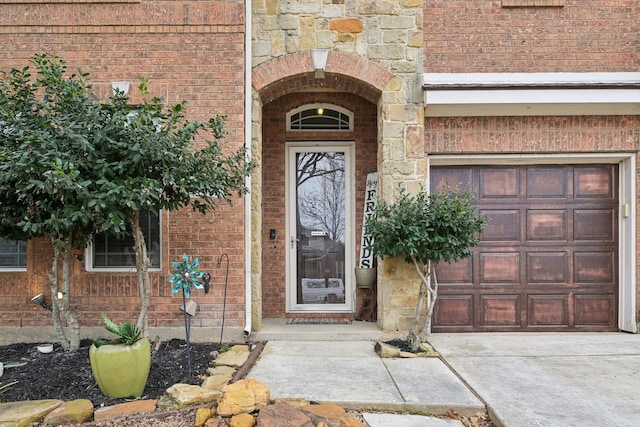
[370,199]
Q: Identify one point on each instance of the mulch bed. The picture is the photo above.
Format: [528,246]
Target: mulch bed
[67,375]
[402,345]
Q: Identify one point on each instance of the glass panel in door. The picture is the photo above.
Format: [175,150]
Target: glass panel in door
[320,227]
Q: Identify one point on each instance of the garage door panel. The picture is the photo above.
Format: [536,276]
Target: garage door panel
[503,183]
[594,267]
[547,225]
[548,310]
[548,258]
[594,181]
[500,310]
[443,178]
[547,267]
[502,225]
[456,273]
[594,224]
[594,310]
[454,311]
[498,267]
[547,182]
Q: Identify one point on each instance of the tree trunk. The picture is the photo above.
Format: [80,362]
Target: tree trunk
[433,296]
[419,332]
[55,310]
[71,317]
[62,306]
[142,269]
[415,329]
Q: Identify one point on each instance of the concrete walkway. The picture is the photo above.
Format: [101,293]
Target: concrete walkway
[351,374]
[568,379]
[572,379]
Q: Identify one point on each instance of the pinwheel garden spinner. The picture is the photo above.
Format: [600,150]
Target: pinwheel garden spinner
[186,277]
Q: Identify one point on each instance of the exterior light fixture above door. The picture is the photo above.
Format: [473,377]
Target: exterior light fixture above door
[319,57]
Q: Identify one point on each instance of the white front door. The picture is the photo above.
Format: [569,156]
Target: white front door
[319,225]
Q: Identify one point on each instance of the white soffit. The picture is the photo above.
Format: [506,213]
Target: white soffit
[531,94]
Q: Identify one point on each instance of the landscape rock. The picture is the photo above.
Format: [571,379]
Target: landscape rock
[428,350]
[244,396]
[235,357]
[21,414]
[329,413]
[74,412]
[283,415]
[216,422]
[125,409]
[242,420]
[407,354]
[181,395]
[202,415]
[386,350]
[348,421]
[296,402]
[218,377]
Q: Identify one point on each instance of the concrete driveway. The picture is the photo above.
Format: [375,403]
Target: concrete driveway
[564,379]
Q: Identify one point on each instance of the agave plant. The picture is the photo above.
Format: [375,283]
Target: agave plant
[127,332]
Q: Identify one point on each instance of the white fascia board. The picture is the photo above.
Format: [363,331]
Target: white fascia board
[517,94]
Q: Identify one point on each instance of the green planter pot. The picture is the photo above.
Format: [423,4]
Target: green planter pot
[121,370]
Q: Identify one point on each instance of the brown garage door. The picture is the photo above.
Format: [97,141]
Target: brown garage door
[548,258]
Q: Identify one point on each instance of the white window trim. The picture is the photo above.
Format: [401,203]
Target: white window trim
[13,269]
[315,107]
[530,94]
[16,269]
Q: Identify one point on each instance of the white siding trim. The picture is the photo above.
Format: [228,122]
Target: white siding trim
[529,94]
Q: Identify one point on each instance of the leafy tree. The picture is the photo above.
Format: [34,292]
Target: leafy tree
[49,126]
[151,165]
[72,165]
[426,229]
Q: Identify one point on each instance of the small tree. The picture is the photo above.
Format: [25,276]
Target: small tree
[72,165]
[426,229]
[49,125]
[152,163]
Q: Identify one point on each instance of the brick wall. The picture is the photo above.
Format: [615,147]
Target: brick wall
[485,36]
[274,138]
[193,51]
[533,135]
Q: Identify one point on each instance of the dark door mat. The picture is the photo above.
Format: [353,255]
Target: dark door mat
[317,321]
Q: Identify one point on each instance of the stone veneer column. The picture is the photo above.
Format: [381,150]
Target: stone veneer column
[389,33]
[256,213]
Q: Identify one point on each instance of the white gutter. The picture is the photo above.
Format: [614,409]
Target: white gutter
[247,143]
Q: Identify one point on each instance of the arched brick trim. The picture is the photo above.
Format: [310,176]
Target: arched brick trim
[358,67]
[291,67]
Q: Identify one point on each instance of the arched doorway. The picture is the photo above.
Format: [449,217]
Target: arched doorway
[288,261]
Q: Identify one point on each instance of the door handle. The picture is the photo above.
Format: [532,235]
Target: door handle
[294,241]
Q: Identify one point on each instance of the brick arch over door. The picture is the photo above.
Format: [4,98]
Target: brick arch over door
[344,72]
[282,84]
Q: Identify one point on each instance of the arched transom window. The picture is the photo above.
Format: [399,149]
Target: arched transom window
[320,117]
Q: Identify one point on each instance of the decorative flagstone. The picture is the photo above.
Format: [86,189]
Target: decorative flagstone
[21,414]
[74,412]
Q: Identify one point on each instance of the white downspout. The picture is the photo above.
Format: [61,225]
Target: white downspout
[248,59]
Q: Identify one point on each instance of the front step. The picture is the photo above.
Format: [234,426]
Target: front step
[279,330]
